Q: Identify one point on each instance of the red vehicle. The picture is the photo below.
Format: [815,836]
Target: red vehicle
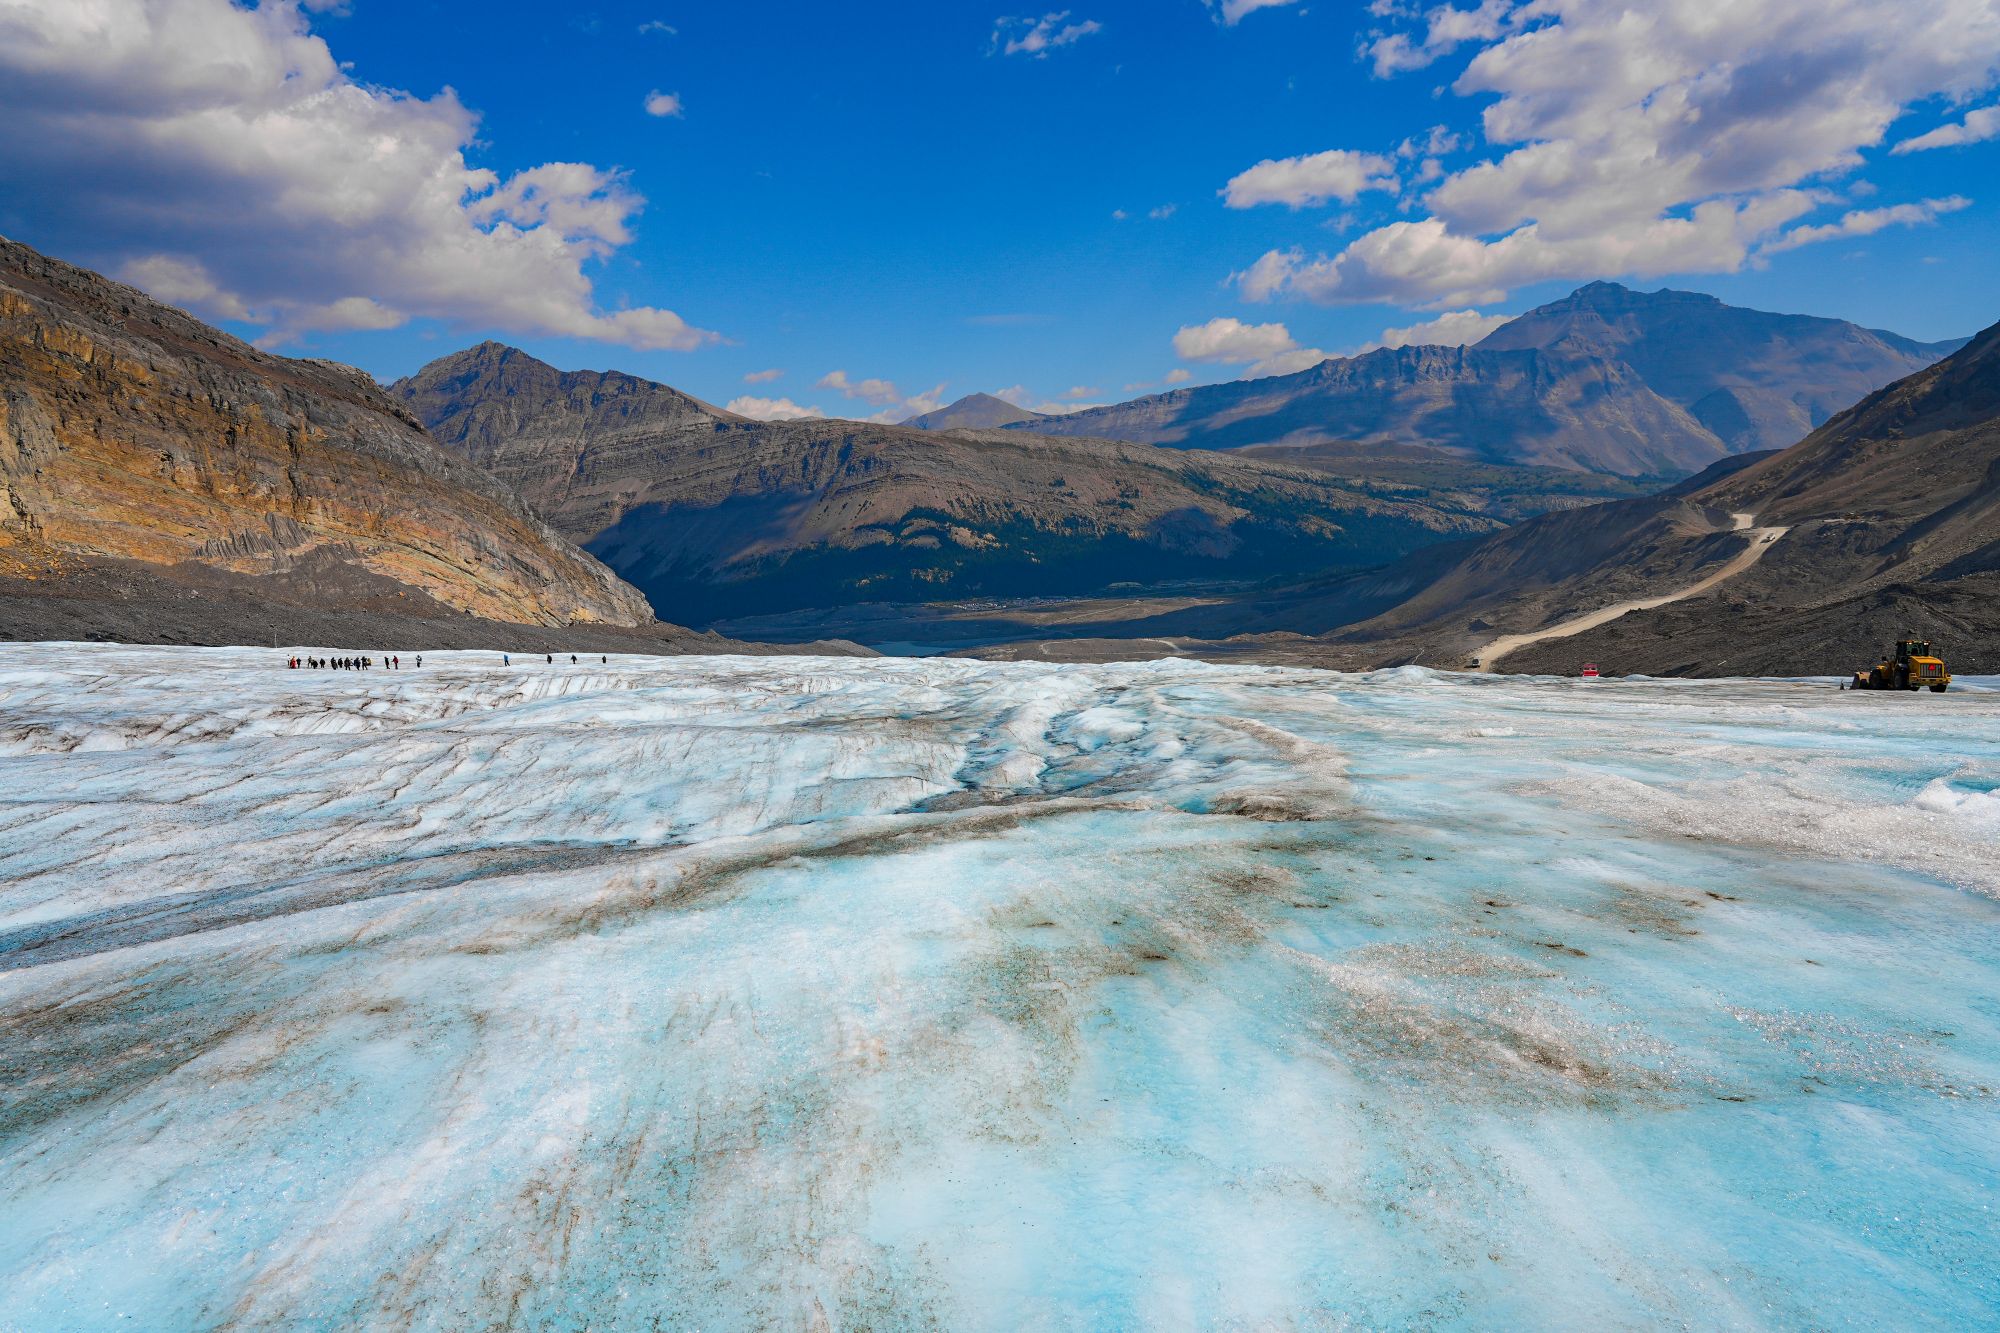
[1590,671]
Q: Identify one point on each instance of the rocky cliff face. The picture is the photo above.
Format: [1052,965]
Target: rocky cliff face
[717,517]
[130,431]
[1607,379]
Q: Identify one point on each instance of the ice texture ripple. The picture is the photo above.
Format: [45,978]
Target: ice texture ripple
[749,993]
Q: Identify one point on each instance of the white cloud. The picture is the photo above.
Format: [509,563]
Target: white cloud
[1037,37]
[1304,181]
[1231,342]
[763,376]
[662,28]
[1285,363]
[664,104]
[771,409]
[883,394]
[183,282]
[873,391]
[1436,142]
[1021,398]
[1449,28]
[1163,212]
[1178,376]
[1269,275]
[1647,137]
[1232,12]
[172,138]
[1079,391]
[919,404]
[1454,328]
[1868,221]
[1268,349]
[1977,127]
[351,312]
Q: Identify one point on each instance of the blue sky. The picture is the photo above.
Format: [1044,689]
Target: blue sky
[889,192]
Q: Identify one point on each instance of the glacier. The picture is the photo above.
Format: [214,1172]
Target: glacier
[738,993]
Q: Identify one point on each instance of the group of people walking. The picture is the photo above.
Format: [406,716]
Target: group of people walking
[392,662]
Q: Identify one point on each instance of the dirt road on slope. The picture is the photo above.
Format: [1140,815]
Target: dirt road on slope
[1761,540]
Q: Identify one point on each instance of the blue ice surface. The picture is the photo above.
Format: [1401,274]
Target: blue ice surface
[739,993]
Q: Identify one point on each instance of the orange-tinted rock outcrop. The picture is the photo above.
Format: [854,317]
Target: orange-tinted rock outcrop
[130,431]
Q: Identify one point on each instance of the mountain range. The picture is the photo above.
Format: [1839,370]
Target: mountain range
[161,479]
[1812,560]
[1640,384]
[713,515]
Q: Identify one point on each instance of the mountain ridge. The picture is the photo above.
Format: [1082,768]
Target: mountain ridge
[716,516]
[1606,378]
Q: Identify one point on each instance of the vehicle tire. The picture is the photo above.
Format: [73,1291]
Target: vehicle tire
[1937,689]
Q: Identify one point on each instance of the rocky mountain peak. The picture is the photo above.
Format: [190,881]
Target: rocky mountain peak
[976,411]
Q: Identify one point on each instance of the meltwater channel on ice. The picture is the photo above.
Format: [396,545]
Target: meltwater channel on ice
[742,993]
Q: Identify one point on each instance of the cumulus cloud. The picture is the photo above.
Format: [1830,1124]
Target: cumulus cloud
[1232,12]
[873,391]
[183,282]
[1231,342]
[763,376]
[771,409]
[1267,349]
[1977,127]
[1301,182]
[918,404]
[1449,28]
[1454,328]
[225,153]
[1868,221]
[1036,37]
[1436,142]
[1645,137]
[1178,376]
[664,104]
[883,394]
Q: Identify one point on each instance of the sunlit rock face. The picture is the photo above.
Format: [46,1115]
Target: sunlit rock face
[739,994]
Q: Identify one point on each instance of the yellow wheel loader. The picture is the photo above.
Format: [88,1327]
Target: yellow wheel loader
[1912,668]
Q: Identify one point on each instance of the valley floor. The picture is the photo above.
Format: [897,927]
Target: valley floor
[737,993]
